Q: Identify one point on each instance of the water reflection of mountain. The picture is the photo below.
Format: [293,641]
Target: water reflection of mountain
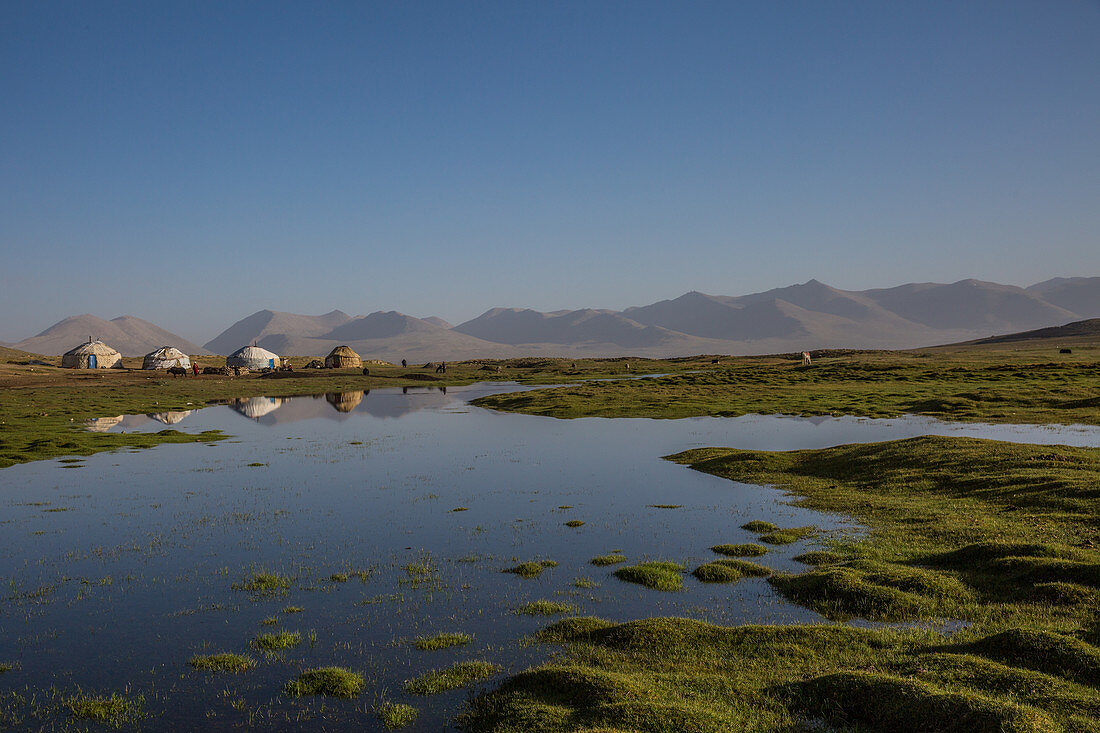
[341,406]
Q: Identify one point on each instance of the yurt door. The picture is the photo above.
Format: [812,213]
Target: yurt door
[91,362]
[271,363]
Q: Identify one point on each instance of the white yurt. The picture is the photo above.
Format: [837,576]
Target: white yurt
[252,357]
[165,357]
[92,355]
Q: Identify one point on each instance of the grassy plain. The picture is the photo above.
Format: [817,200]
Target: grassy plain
[1036,384]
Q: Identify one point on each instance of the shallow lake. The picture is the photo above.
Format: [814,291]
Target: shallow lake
[116,569]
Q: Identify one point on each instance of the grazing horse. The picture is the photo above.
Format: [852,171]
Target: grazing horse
[177,371]
[442,368]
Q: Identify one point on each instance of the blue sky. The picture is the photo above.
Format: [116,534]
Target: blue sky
[191,163]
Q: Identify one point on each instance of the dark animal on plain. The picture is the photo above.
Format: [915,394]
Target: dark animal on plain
[404,363]
[211,370]
[366,372]
[177,371]
[716,361]
[1065,351]
[442,368]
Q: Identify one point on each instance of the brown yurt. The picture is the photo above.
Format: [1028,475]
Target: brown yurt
[342,357]
[92,355]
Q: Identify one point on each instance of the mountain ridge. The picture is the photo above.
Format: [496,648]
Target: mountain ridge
[809,315]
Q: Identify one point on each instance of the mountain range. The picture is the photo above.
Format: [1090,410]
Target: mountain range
[811,315]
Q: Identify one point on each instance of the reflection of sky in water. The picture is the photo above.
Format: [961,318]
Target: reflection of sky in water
[370,481]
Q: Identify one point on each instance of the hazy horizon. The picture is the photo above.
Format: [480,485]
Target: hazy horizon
[193,164]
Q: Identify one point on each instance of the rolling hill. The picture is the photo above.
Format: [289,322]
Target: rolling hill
[129,335]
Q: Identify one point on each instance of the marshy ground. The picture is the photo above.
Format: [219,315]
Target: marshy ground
[316,574]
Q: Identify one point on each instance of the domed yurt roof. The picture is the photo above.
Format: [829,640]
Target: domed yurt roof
[164,357]
[342,357]
[92,355]
[345,401]
[253,357]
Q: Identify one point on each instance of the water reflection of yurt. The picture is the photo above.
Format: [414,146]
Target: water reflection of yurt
[256,407]
[170,418]
[102,424]
[345,401]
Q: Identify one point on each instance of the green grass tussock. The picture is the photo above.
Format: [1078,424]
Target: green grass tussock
[277,641]
[397,715]
[787,536]
[442,641]
[451,678]
[729,571]
[605,560]
[113,710]
[223,662]
[743,550]
[759,526]
[666,576]
[820,557]
[328,681]
[530,569]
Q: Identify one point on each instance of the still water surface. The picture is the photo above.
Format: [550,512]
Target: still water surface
[118,568]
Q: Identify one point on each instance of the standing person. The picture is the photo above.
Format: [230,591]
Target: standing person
[404,363]
[195,368]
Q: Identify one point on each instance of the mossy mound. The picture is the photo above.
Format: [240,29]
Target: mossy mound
[820,557]
[666,576]
[729,571]
[884,702]
[840,593]
[451,678]
[787,536]
[530,569]
[759,526]
[604,560]
[1065,594]
[744,550]
[1044,651]
[329,681]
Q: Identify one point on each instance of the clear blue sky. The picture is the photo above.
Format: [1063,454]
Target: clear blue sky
[191,163]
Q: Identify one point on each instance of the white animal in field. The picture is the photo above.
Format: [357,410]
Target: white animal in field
[806,358]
